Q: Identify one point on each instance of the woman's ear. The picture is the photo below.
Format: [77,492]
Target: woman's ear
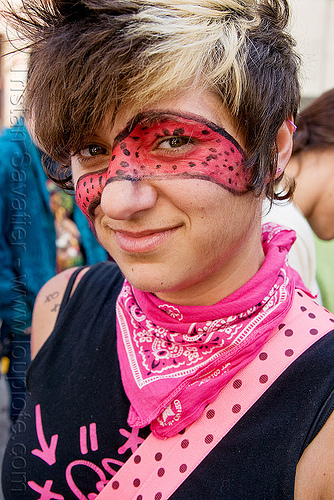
[284,145]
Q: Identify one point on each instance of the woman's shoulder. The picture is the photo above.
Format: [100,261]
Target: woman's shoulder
[103,278]
[47,305]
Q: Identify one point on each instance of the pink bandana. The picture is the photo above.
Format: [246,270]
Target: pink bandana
[163,145]
[174,360]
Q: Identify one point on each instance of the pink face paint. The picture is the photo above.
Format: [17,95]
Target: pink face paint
[162,145]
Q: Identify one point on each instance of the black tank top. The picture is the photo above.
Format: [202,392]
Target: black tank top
[73,436]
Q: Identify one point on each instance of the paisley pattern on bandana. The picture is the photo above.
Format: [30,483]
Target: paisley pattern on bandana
[175,359]
[194,149]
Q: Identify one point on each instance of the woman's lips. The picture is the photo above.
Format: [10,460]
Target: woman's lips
[143,241]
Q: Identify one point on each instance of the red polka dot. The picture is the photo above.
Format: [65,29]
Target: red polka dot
[289,353]
[115,485]
[182,432]
[331,319]
[236,408]
[161,472]
[158,496]
[158,456]
[303,309]
[139,497]
[137,459]
[263,356]
[210,414]
[183,468]
[300,294]
[185,443]
[314,331]
[288,333]
[311,315]
[208,439]
[237,383]
[282,325]
[263,379]
[136,482]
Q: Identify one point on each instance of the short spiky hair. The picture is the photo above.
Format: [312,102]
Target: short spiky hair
[89,55]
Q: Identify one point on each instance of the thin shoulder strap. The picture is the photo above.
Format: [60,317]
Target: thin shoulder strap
[69,287]
[322,417]
[159,467]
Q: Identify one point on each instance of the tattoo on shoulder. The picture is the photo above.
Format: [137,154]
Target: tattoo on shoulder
[53,298]
[55,308]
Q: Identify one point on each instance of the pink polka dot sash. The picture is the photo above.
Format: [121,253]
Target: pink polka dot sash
[175,360]
[161,145]
[158,467]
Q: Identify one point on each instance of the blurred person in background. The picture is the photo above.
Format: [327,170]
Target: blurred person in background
[311,214]
[42,232]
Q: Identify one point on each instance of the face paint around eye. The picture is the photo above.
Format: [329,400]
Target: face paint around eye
[161,145]
[88,193]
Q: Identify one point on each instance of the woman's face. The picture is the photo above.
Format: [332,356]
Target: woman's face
[314,194]
[166,193]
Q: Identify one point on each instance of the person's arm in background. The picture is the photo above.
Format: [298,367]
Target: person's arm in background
[15,300]
[13,294]
[7,274]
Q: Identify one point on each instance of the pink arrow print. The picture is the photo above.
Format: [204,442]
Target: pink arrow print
[46,453]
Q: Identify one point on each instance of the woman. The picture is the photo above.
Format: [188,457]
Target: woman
[175,121]
[311,166]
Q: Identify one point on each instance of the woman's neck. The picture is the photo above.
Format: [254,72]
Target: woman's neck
[239,268]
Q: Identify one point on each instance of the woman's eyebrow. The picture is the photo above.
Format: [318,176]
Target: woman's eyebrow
[159,116]
[149,118]
[87,140]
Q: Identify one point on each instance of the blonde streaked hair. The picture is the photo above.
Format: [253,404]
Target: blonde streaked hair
[194,45]
[89,56]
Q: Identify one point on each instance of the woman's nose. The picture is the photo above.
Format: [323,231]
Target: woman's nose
[122,199]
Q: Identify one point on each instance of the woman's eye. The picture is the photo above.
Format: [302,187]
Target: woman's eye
[174,142]
[92,150]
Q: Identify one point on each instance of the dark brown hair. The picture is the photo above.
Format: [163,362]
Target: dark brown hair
[90,55]
[315,125]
